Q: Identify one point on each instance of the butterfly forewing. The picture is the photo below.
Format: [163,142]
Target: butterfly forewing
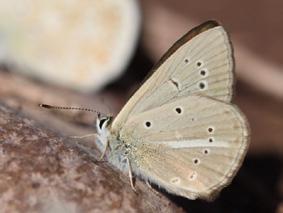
[199,63]
[192,148]
[184,133]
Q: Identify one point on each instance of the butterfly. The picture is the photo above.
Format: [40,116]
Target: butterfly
[180,130]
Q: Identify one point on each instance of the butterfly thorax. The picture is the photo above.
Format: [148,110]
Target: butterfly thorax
[118,150]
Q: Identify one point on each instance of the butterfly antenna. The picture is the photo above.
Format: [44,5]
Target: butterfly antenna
[69,108]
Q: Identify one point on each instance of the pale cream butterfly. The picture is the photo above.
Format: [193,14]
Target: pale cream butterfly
[180,130]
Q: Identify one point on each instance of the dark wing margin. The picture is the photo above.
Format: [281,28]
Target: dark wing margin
[185,38]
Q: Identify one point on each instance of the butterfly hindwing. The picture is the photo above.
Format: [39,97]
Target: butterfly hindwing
[184,133]
[191,146]
[199,63]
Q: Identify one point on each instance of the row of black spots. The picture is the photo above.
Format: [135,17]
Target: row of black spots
[199,63]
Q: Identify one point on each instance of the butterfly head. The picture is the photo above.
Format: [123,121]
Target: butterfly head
[102,123]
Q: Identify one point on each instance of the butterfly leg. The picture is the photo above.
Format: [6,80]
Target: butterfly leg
[104,151]
[85,136]
[148,184]
[97,137]
[151,188]
[130,174]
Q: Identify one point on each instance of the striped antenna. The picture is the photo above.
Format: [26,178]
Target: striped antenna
[68,108]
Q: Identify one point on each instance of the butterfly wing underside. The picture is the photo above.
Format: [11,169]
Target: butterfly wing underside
[201,62]
[189,138]
[192,148]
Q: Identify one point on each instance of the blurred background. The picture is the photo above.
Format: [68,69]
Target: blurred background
[96,53]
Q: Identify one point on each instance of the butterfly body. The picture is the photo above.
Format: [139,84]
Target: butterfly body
[120,149]
[180,130]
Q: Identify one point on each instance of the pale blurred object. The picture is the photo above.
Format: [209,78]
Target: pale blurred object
[78,44]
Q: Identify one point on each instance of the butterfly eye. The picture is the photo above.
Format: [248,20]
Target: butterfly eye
[102,121]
